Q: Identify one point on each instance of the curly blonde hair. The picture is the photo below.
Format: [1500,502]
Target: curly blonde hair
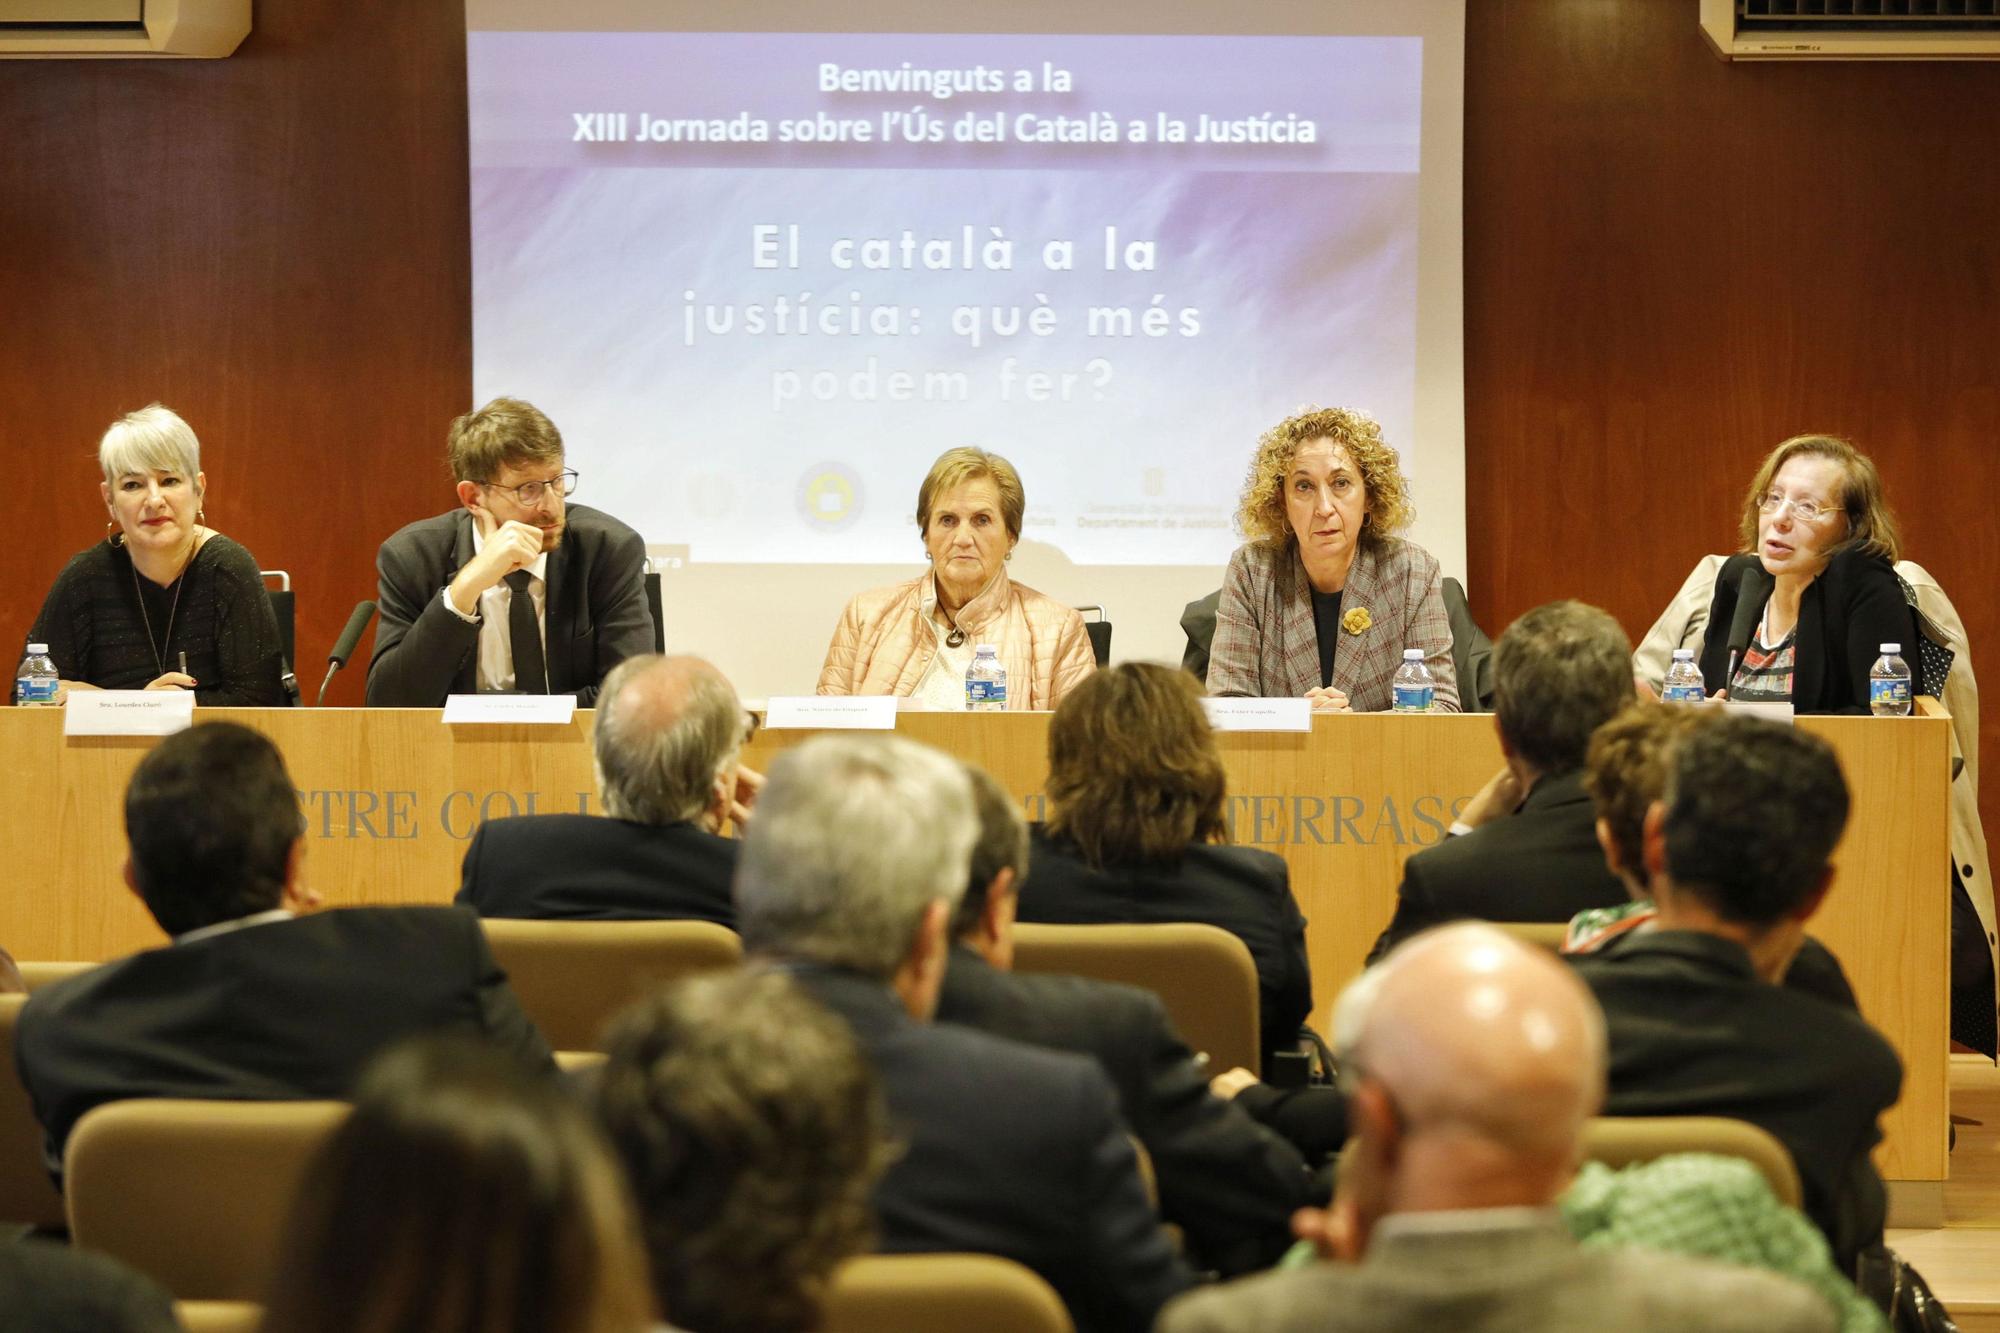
[1260,514]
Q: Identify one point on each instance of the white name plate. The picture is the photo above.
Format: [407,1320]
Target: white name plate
[128,712]
[1770,712]
[1226,714]
[530,709]
[831,712]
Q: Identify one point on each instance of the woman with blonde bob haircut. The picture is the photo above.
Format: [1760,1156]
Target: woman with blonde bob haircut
[164,602]
[1817,569]
[462,1195]
[917,638]
[1136,832]
[1322,600]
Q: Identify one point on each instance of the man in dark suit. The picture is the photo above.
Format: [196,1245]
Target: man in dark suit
[249,1002]
[1472,1062]
[1737,855]
[860,848]
[513,591]
[1526,848]
[669,733]
[1230,1184]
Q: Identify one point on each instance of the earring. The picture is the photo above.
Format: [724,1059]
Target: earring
[1008,556]
[201,517]
[113,535]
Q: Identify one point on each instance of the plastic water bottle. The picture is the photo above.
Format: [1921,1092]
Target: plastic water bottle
[1413,686]
[1889,683]
[1683,683]
[35,684]
[985,682]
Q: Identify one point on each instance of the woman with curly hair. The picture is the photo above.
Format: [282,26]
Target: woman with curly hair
[1134,832]
[1322,600]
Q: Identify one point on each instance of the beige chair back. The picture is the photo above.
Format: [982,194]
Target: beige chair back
[219,1316]
[1203,974]
[37,975]
[194,1193]
[573,976]
[27,1198]
[930,1293]
[1547,934]
[1622,1140]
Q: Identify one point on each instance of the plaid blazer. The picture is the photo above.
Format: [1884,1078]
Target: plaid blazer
[1266,643]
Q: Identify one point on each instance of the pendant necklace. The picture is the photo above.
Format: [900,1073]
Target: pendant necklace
[159,649]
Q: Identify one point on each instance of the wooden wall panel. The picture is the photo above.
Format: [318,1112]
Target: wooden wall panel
[1672,263]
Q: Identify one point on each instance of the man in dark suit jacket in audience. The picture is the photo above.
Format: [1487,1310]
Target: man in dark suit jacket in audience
[514,589]
[1472,1062]
[669,733]
[1526,848]
[1737,855]
[860,848]
[1230,1184]
[250,1002]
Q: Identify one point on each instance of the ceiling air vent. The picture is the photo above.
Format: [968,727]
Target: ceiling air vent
[1852,29]
[69,29]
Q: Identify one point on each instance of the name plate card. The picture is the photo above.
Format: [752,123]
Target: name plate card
[831,712]
[128,712]
[531,709]
[1225,714]
[1770,712]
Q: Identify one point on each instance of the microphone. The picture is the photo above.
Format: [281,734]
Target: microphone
[1744,623]
[343,647]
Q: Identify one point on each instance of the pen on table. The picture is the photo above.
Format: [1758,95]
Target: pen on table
[184,663]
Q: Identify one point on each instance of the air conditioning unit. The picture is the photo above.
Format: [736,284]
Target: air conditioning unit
[1852,29]
[71,29]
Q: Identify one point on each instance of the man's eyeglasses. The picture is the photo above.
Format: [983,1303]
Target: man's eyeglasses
[530,493]
[751,724]
[1803,510]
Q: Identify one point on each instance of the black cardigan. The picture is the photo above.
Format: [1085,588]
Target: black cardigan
[1846,615]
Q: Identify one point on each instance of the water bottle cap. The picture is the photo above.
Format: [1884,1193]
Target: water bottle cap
[38,649]
[1413,654]
[1891,649]
[985,650]
[1683,654]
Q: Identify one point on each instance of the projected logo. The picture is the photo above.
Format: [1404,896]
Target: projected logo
[830,497]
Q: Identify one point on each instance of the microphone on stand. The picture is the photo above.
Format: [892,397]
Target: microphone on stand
[1744,623]
[343,647]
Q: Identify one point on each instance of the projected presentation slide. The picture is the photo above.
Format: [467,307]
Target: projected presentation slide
[761,279]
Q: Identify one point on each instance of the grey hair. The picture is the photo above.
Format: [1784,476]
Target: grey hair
[658,757]
[855,836]
[152,439]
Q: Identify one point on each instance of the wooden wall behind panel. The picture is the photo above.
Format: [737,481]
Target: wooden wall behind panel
[1672,263]
[274,245]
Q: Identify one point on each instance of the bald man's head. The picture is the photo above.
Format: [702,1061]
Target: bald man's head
[668,732]
[1486,1054]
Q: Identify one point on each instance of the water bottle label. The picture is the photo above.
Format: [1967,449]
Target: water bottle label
[1683,694]
[985,694]
[1893,691]
[30,690]
[1414,698]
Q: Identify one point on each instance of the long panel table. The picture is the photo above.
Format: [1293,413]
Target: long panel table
[391,796]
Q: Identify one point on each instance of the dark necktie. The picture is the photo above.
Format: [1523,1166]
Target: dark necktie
[531,674]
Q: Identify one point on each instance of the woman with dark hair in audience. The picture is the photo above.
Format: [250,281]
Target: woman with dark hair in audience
[1134,832]
[1818,569]
[462,1195]
[753,1133]
[165,602]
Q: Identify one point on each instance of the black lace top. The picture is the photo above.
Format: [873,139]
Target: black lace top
[97,633]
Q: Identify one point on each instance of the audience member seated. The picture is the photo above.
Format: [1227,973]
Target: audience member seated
[463,1195]
[50,1288]
[752,1134]
[250,1001]
[1737,854]
[1472,1063]
[1135,823]
[451,622]
[668,735]
[860,849]
[1625,773]
[1525,848]
[164,602]
[1230,1184]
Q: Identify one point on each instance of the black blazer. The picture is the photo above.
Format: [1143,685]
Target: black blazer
[1245,891]
[278,1012]
[1541,863]
[596,617]
[1845,616]
[1694,1031]
[586,868]
[1230,1184]
[1011,1150]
